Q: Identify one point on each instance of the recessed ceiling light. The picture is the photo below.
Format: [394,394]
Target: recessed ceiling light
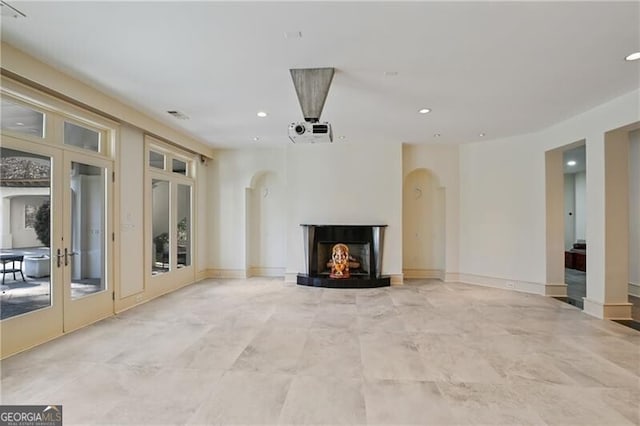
[262,114]
[437,135]
[481,135]
[425,110]
[19,123]
[633,57]
[571,163]
[341,137]
[293,34]
[256,139]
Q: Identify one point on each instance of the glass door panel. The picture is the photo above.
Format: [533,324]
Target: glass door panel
[161,258]
[30,234]
[87,233]
[184,225]
[88,212]
[25,224]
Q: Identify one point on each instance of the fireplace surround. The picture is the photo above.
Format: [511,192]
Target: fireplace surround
[365,244]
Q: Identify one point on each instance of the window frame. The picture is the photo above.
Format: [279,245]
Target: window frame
[175,277]
[46,128]
[56,112]
[102,137]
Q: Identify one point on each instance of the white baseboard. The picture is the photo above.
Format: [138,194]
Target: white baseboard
[226,273]
[437,274]
[451,277]
[203,275]
[291,277]
[634,289]
[555,290]
[259,271]
[610,311]
[516,285]
[397,279]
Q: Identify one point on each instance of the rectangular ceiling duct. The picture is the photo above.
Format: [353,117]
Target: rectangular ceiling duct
[312,86]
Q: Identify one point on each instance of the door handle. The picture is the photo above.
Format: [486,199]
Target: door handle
[68,253]
[58,257]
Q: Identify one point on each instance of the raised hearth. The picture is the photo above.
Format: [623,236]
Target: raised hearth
[352,282]
[365,244]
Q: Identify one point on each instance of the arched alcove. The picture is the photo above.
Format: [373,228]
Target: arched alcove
[265,226]
[423,225]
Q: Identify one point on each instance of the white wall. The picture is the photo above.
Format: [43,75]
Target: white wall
[502,215]
[132,265]
[20,235]
[634,208]
[344,183]
[231,173]
[201,202]
[575,198]
[569,210]
[581,206]
[502,197]
[340,183]
[266,225]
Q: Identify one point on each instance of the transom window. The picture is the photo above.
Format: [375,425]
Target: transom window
[21,119]
[162,158]
[156,160]
[28,114]
[81,137]
[179,166]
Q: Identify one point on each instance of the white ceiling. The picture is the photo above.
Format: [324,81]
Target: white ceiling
[498,68]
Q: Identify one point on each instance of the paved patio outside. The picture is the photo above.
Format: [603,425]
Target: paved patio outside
[19,297]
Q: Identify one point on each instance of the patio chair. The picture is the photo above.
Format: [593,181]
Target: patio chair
[11,259]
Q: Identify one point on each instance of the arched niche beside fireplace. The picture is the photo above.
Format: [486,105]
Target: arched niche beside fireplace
[365,242]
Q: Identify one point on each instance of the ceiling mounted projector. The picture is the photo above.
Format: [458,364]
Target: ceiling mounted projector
[312,86]
[305,132]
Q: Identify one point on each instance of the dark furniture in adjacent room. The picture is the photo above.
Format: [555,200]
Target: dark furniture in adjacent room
[576,257]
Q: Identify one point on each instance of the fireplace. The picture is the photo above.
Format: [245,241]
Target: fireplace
[365,244]
[360,253]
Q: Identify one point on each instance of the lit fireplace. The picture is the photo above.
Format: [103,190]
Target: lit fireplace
[364,244]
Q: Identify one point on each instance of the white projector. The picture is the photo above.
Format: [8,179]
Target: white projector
[306,132]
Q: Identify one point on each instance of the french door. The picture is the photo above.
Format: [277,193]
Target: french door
[85,248]
[68,280]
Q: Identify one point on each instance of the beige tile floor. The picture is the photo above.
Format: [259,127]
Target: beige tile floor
[262,351]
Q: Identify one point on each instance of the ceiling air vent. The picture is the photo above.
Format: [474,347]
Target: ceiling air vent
[179,115]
